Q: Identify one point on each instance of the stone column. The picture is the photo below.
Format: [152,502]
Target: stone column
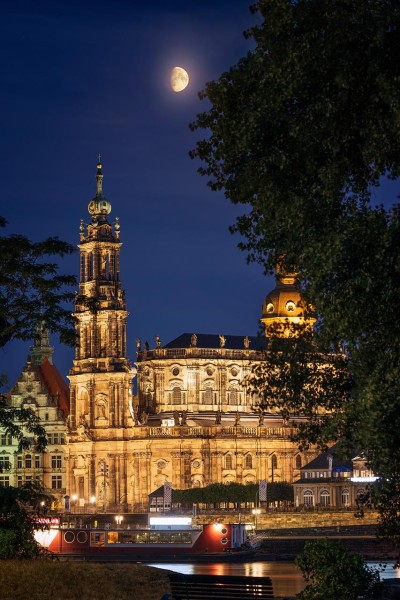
[72,398]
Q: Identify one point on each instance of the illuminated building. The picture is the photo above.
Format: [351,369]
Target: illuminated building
[192,421]
[41,388]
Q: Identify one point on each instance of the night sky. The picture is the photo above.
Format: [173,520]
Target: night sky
[80,78]
[83,77]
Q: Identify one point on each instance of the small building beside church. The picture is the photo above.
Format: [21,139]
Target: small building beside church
[41,388]
[330,481]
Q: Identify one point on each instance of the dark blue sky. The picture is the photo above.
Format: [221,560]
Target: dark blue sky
[83,77]
[79,77]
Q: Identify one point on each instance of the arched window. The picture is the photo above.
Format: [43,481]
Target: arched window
[176,395]
[274,462]
[325,498]
[228,461]
[298,461]
[345,497]
[249,461]
[208,395]
[308,498]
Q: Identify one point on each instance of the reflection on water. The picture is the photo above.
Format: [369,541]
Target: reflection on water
[286,578]
[387,569]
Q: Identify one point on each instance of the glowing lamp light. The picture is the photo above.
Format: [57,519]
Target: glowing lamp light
[44,538]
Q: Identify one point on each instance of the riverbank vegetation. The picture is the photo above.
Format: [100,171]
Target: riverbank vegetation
[233,495]
[46,580]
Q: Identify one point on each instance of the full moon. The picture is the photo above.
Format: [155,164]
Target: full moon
[179,79]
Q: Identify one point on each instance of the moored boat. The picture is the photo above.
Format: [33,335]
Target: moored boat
[164,538]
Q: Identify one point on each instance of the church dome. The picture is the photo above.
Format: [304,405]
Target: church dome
[99,207]
[284,306]
[283,301]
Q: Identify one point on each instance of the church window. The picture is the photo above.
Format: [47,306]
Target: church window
[176,395]
[4,463]
[345,497]
[56,461]
[56,482]
[325,498]
[228,461]
[249,461]
[208,396]
[308,498]
[298,461]
[233,396]
[103,340]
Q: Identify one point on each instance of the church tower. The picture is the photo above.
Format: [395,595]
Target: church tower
[101,375]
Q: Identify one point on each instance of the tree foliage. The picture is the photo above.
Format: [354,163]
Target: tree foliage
[217,494]
[331,572]
[32,289]
[296,379]
[18,509]
[301,131]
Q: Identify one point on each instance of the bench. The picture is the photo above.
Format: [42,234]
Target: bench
[223,587]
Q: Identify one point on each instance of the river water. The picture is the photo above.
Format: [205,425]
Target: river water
[286,578]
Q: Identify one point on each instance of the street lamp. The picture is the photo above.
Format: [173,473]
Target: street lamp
[256,512]
[119,519]
[74,498]
[93,502]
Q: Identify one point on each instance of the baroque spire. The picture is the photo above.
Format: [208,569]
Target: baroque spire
[99,207]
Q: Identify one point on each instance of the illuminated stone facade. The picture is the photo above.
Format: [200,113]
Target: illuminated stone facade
[41,388]
[331,481]
[192,422]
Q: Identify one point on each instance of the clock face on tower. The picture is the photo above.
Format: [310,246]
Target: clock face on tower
[290,306]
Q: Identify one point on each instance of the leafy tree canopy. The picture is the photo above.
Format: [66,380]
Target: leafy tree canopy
[219,493]
[18,509]
[32,289]
[331,572]
[300,131]
[296,379]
